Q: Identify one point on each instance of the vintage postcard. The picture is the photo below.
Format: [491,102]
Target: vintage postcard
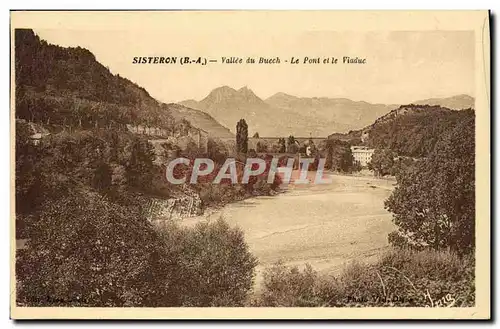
[250,165]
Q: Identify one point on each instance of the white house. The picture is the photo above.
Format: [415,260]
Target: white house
[362,154]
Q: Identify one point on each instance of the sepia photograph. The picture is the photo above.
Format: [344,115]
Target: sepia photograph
[299,167]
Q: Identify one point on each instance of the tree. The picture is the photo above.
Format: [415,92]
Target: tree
[27,171]
[292,145]
[216,151]
[338,155]
[242,136]
[170,151]
[262,147]
[401,163]
[140,163]
[382,162]
[191,151]
[87,251]
[356,166]
[215,265]
[342,159]
[256,135]
[434,202]
[281,145]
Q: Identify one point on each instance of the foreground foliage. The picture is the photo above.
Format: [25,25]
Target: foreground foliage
[87,251]
[434,201]
[399,278]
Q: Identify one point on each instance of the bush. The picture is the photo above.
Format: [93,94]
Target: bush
[289,287]
[215,267]
[434,274]
[220,194]
[399,278]
[86,251]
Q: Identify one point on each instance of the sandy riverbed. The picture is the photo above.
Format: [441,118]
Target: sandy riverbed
[323,225]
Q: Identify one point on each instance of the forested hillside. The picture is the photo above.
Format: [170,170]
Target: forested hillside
[68,87]
[413,130]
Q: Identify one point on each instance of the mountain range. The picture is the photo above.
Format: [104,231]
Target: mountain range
[283,114]
[67,86]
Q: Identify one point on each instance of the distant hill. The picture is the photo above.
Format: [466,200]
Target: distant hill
[340,112]
[458,102]
[412,130]
[228,106]
[68,87]
[283,114]
[200,119]
[191,103]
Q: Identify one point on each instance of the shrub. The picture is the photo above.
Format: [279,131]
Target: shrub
[86,251]
[215,267]
[434,274]
[289,287]
[399,278]
[220,194]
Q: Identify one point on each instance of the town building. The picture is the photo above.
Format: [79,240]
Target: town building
[362,154]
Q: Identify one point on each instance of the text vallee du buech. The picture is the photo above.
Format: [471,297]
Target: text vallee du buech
[235,60]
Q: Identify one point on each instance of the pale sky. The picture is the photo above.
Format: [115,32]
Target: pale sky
[401,66]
